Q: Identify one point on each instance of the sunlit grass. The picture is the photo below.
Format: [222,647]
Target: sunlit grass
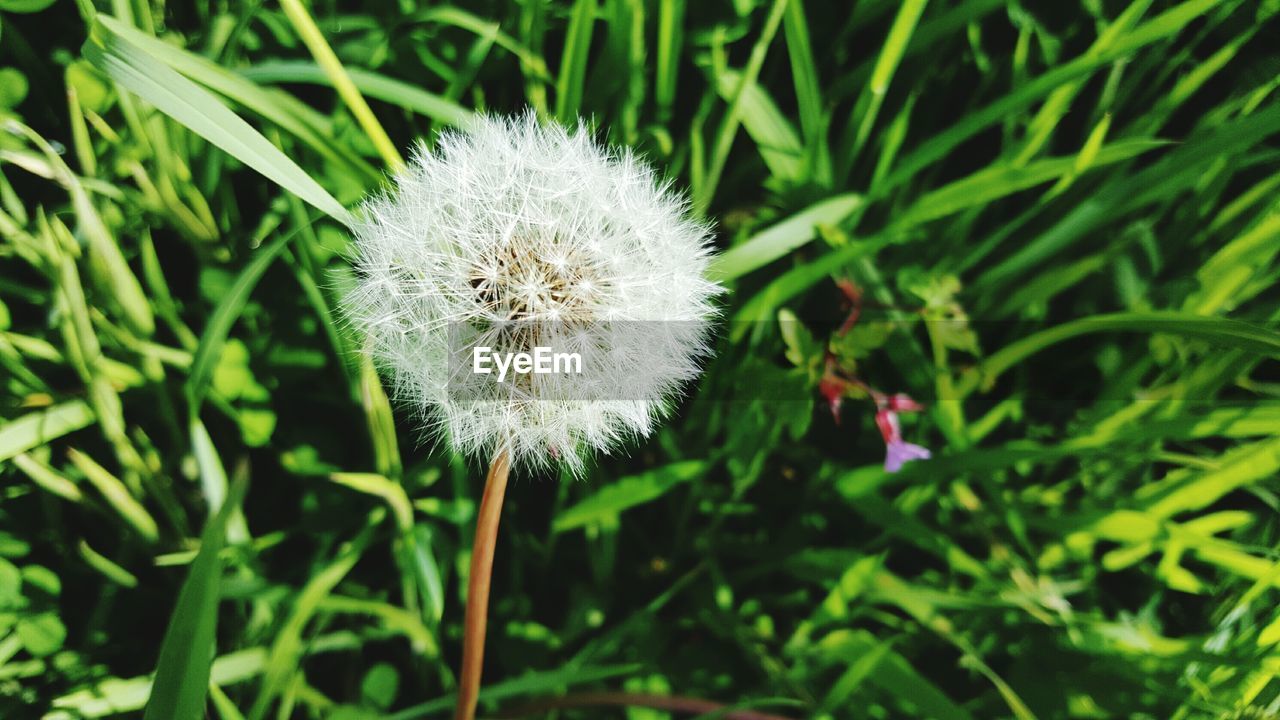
[1059,225]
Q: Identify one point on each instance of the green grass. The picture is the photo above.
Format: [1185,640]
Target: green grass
[1062,220]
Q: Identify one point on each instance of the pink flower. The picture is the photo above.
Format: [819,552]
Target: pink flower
[832,387]
[902,402]
[887,421]
[898,453]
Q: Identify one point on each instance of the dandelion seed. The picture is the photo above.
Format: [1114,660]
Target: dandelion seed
[513,232]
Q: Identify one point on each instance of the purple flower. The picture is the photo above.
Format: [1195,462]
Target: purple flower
[899,453]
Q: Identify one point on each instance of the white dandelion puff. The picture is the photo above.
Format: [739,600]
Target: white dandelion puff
[514,234]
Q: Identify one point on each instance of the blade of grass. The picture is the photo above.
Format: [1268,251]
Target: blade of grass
[998,181]
[666,73]
[288,649]
[782,238]
[117,495]
[106,567]
[213,481]
[224,317]
[389,491]
[337,74]
[573,63]
[1056,106]
[868,107]
[804,70]
[381,422]
[187,651]
[549,682]
[43,427]
[110,48]
[626,493]
[290,114]
[105,252]
[47,478]
[728,128]
[938,146]
[374,85]
[1213,330]
[1239,467]
[773,135]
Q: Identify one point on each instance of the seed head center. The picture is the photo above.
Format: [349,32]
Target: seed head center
[558,284]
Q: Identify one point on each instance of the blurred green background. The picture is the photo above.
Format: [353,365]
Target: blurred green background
[1058,220]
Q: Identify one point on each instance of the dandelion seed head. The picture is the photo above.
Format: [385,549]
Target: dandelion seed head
[513,234]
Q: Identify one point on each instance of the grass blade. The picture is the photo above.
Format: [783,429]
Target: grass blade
[186,654]
[895,46]
[215,334]
[374,85]
[628,492]
[728,128]
[39,428]
[573,64]
[337,74]
[110,48]
[782,238]
[1214,330]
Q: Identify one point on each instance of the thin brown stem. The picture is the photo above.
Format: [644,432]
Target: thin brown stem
[669,703]
[477,617]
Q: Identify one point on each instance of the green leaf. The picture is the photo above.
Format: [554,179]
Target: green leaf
[114,48]
[380,87]
[24,6]
[1213,330]
[573,63]
[727,130]
[939,145]
[214,338]
[116,495]
[808,86]
[379,686]
[532,683]
[288,648]
[13,88]
[388,490]
[773,135]
[40,428]
[996,182]
[1245,465]
[895,46]
[213,480]
[42,635]
[627,493]
[186,653]
[893,675]
[104,565]
[10,585]
[782,238]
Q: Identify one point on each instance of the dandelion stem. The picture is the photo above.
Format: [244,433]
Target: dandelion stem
[477,617]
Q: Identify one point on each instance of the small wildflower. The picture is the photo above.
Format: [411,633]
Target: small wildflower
[898,452]
[902,402]
[887,421]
